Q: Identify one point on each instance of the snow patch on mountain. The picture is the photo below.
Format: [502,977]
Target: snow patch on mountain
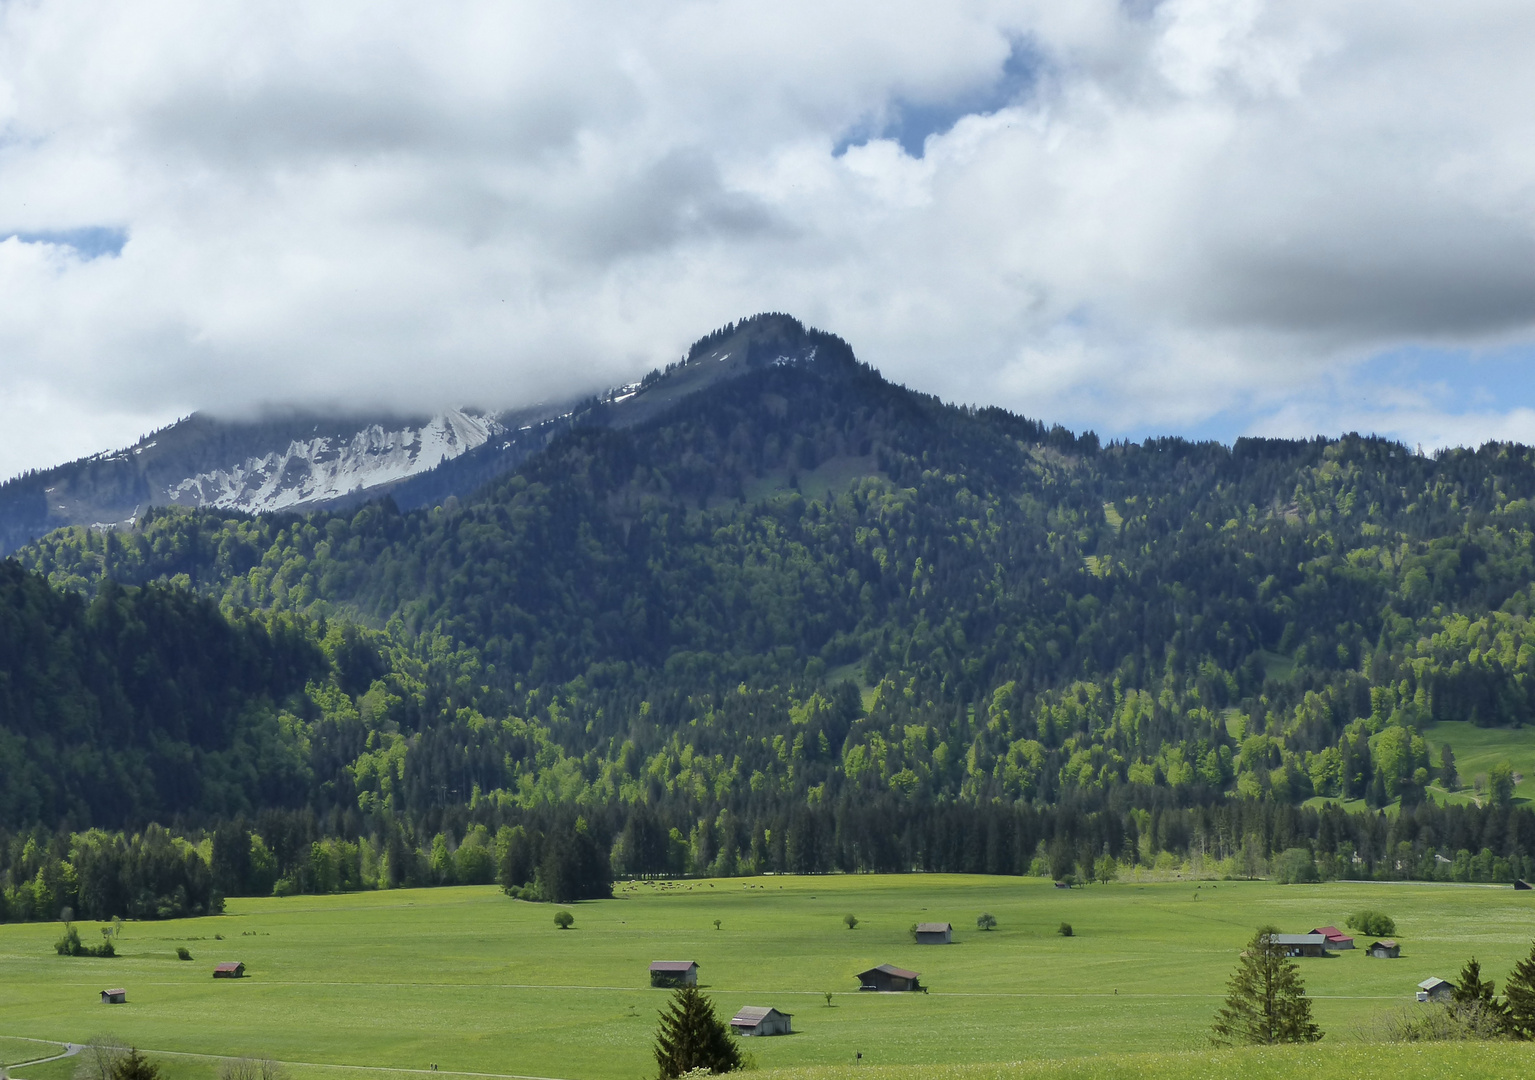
[328,467]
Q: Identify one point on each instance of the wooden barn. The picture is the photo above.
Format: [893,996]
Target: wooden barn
[674,973]
[114,997]
[1521,885]
[1435,990]
[755,1021]
[230,969]
[935,933]
[887,978]
[1336,939]
[1301,944]
[1384,950]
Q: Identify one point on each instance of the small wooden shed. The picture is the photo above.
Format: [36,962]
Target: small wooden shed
[1301,944]
[114,997]
[1384,950]
[887,978]
[1435,990]
[757,1021]
[229,969]
[1521,885]
[671,973]
[1336,939]
[935,933]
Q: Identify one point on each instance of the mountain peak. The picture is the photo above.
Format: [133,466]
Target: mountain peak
[299,461]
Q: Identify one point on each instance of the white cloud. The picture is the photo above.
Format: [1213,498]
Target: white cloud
[1192,209]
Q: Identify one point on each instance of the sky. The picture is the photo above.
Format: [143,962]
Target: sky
[1199,217]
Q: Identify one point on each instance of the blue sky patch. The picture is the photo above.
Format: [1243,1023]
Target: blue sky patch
[911,122]
[92,241]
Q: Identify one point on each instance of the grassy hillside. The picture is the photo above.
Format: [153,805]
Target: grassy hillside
[1478,749]
[474,982]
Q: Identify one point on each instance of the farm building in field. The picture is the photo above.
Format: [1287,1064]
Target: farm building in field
[934,933]
[755,1021]
[1384,950]
[1336,939]
[888,978]
[674,973]
[114,997]
[1520,884]
[230,969]
[1435,990]
[1301,944]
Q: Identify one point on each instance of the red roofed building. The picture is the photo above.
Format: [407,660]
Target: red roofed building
[1336,939]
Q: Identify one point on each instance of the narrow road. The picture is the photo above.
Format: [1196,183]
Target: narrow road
[70,1050]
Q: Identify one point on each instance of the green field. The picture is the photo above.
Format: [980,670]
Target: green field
[1478,749]
[474,982]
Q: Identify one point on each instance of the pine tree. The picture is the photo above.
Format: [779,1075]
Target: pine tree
[1477,1000]
[1266,1001]
[134,1066]
[1519,997]
[692,1037]
[1471,990]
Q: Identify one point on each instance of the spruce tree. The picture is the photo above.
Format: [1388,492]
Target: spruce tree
[1519,997]
[692,1037]
[134,1066]
[1266,1001]
[1471,990]
[1476,1000]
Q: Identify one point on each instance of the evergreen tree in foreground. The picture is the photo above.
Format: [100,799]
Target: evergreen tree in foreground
[1476,1000]
[692,1037]
[1266,1002]
[135,1066]
[1519,997]
[1472,989]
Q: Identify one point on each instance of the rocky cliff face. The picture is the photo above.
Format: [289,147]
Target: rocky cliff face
[289,462]
[324,468]
[299,461]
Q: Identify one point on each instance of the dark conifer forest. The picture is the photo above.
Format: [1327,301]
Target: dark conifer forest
[802,620]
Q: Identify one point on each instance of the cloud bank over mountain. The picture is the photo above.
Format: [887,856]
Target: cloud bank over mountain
[1199,216]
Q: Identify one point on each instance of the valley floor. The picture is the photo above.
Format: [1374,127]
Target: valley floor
[467,980]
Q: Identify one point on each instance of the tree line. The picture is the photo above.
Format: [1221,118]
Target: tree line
[558,855]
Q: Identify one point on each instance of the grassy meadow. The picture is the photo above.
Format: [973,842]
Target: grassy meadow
[1477,750]
[473,982]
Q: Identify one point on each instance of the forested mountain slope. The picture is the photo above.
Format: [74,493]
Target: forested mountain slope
[802,590]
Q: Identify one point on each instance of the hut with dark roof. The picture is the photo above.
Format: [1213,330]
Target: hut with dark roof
[229,969]
[1384,950]
[1300,944]
[934,933]
[887,978]
[758,1021]
[1435,990]
[670,973]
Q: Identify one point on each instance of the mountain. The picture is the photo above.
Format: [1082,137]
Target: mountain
[289,462]
[779,612]
[304,461]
